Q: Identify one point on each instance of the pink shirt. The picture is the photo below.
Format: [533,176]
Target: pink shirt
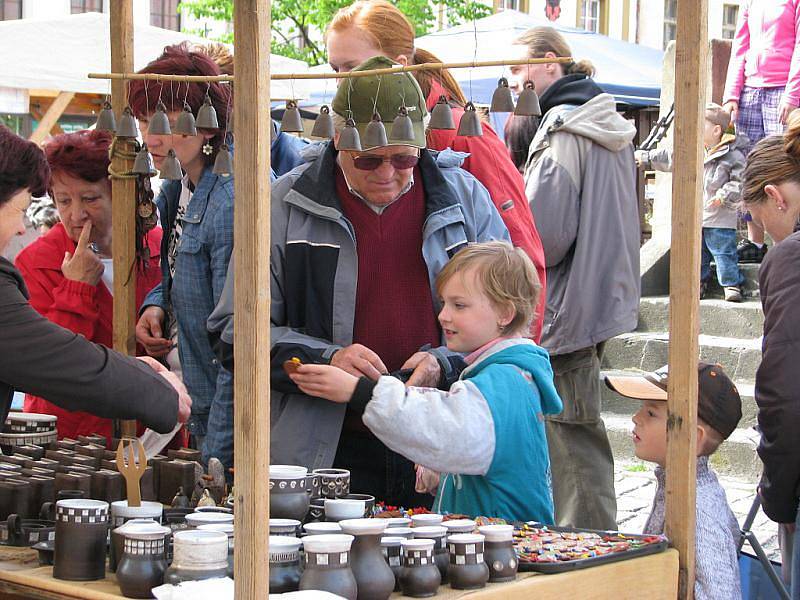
[765,49]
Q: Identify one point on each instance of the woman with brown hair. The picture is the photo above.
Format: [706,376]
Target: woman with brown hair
[771,194]
[370,28]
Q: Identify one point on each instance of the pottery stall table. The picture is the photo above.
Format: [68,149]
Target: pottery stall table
[21,576]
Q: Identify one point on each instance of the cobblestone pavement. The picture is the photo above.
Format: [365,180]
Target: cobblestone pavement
[636,486]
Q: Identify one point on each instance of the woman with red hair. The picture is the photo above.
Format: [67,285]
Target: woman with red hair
[69,271]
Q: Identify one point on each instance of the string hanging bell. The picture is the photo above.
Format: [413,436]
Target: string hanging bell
[127,128]
[375,133]
[528,102]
[323,124]
[402,127]
[502,100]
[470,125]
[185,125]
[207,115]
[159,123]
[292,121]
[223,164]
[442,115]
[143,163]
[350,139]
[171,169]
[106,121]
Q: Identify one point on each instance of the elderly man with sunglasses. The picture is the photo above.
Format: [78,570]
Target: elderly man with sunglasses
[358,238]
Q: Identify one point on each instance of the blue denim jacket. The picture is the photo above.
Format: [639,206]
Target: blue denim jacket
[285,150]
[201,264]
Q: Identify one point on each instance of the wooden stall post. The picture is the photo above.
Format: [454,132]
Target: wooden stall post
[51,116]
[690,89]
[251,324]
[123,192]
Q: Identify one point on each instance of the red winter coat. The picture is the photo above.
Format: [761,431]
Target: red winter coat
[79,307]
[491,164]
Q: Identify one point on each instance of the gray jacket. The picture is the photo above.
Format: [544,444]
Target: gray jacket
[314,271]
[580,180]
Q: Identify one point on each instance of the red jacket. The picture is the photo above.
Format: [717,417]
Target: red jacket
[79,307]
[491,164]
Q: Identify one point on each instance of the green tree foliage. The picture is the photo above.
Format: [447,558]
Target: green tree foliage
[307,19]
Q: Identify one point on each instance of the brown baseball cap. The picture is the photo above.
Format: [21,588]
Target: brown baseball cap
[718,401]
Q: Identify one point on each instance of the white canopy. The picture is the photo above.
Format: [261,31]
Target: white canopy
[57,54]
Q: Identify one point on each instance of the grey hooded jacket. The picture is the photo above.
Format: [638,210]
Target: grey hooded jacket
[314,272]
[580,180]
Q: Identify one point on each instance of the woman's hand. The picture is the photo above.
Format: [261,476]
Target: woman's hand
[732,108]
[325,381]
[784,111]
[84,265]
[149,332]
[184,400]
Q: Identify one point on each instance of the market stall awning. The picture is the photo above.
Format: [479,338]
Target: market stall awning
[57,54]
[632,73]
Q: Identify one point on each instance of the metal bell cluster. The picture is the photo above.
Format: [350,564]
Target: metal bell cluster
[207,115]
[442,115]
[375,133]
[185,125]
[127,127]
[223,164]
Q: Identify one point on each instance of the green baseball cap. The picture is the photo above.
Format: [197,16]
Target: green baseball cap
[356,98]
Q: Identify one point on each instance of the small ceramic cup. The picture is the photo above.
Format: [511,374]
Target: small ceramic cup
[322,528]
[419,577]
[499,552]
[467,569]
[195,519]
[286,527]
[80,544]
[369,503]
[333,483]
[339,509]
[426,519]
[459,526]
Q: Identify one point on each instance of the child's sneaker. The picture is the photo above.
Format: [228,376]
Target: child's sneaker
[748,252]
[703,290]
[733,293]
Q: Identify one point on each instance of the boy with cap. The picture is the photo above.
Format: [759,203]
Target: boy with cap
[719,409]
[723,167]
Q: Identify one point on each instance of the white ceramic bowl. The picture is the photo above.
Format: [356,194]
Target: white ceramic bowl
[148,510]
[281,544]
[465,538]
[338,509]
[204,518]
[287,472]
[497,533]
[331,542]
[425,519]
[432,531]
[398,522]
[284,526]
[459,526]
[402,532]
[363,526]
[322,527]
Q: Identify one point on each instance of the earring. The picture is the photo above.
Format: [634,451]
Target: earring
[208,149]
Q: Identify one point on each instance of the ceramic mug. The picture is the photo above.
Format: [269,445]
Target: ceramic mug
[333,483]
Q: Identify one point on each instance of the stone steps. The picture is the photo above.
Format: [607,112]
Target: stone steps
[750,285]
[717,317]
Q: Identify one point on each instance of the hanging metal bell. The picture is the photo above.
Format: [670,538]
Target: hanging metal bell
[171,169]
[323,124]
[528,102]
[350,139]
[159,122]
[402,127]
[106,120]
[292,121]
[375,133]
[185,124]
[127,128]
[207,115]
[470,125]
[143,164]
[502,100]
[442,115]
[223,165]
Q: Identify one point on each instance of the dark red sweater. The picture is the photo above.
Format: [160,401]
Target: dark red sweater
[394,313]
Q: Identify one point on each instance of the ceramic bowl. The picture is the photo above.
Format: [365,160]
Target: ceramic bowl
[403,532]
[429,532]
[459,526]
[287,472]
[322,528]
[338,509]
[426,519]
[369,502]
[363,526]
[204,518]
[280,545]
[288,527]
[398,522]
[332,542]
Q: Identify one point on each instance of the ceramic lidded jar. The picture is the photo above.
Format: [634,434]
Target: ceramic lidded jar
[459,526]
[426,519]
[467,571]
[289,527]
[498,552]
[80,544]
[438,534]
[284,564]
[195,519]
[374,578]
[393,553]
[288,498]
[121,513]
[327,565]
[227,529]
[419,576]
[197,555]
[143,561]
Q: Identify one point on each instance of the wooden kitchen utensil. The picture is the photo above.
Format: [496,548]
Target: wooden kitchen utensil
[132,469]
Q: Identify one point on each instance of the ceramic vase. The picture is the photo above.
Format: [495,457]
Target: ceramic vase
[143,561]
[393,553]
[438,534]
[467,571]
[374,578]
[419,577]
[284,564]
[498,552]
[327,565]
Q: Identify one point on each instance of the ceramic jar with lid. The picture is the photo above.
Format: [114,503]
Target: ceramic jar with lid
[195,519]
[499,553]
[143,561]
[438,534]
[80,544]
[289,527]
[393,553]
[288,495]
[467,571]
[327,565]
[197,555]
[121,513]
[459,526]
[425,520]
[227,529]
[284,564]
[419,576]
[374,578]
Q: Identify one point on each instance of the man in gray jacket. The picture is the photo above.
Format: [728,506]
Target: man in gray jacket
[580,180]
[357,240]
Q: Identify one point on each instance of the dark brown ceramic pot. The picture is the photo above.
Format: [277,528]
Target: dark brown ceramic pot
[74,481]
[13,459]
[184,454]
[498,552]
[284,564]
[156,462]
[25,532]
[333,483]
[438,534]
[288,498]
[327,565]
[174,474]
[108,486]
[121,513]
[419,577]
[80,545]
[143,561]
[96,439]
[468,571]
[15,498]
[393,554]
[34,452]
[374,578]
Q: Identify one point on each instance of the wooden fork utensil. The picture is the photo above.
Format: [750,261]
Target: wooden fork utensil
[131,469]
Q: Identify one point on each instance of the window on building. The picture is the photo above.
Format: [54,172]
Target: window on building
[10,9]
[164,14]
[507,5]
[589,17]
[730,14]
[670,21]
[77,7]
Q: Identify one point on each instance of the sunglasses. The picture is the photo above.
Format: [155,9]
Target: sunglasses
[370,162]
